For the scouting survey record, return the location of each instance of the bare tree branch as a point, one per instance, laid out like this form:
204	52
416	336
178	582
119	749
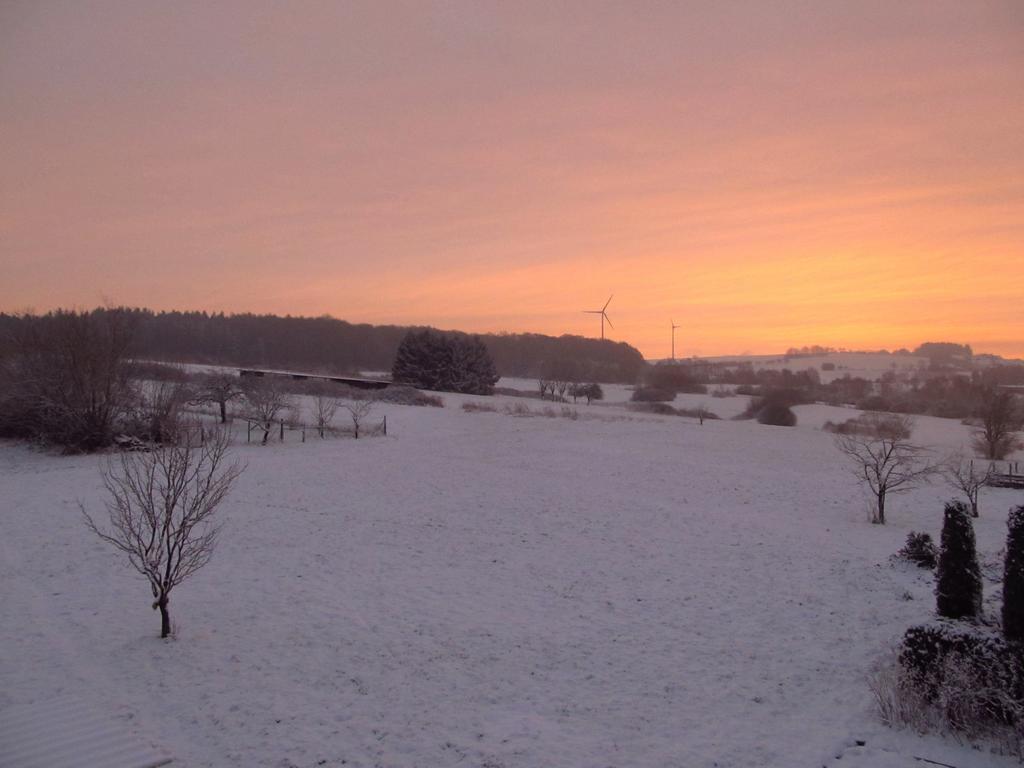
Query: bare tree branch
160	511
883	459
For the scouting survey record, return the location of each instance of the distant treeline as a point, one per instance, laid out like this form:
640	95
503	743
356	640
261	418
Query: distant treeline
330	345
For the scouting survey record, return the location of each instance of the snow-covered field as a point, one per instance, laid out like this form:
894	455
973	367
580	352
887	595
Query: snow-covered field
479	589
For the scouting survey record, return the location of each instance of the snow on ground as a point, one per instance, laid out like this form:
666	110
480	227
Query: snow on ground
484	590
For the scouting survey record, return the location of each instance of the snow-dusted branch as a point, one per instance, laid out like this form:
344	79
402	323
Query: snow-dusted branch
161	511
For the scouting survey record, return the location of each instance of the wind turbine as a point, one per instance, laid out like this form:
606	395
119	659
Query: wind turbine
674	326
603	314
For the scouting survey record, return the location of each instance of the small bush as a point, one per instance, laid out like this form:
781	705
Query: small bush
518	409
937	659
398	394
920	550
776	415
479	408
660	409
653	395
873	424
949	679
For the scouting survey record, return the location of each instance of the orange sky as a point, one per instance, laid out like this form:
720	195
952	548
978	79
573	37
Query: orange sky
766	174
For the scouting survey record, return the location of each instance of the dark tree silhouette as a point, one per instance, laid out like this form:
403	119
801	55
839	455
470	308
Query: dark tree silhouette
444	362
220	389
958	580
335	346
67	378
1013	577
996	438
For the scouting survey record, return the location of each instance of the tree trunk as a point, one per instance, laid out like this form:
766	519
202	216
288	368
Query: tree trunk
223	412
165	617
880	515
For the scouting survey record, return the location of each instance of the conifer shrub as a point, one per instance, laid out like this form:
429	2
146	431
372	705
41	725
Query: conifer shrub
920	549
1013	577
958	580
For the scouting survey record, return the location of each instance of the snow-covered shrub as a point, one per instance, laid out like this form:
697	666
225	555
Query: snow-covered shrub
518	409
399	394
773	407
1013	577
959	678
920	549
958	580
661	409
590	391
776	415
882	425
653	395
156	414
478	408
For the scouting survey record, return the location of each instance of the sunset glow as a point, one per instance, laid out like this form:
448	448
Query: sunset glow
843	174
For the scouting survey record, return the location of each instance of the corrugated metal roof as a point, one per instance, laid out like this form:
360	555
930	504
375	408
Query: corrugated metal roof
71	733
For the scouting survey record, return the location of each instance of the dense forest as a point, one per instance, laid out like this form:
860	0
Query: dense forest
335	346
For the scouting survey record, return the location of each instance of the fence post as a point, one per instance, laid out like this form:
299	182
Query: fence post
385	425
282	430
248	431
303	434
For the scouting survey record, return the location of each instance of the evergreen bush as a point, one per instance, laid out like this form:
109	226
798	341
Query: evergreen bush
958	581
1013	577
445	362
920	549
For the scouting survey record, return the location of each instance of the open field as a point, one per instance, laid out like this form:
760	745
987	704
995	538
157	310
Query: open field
478	589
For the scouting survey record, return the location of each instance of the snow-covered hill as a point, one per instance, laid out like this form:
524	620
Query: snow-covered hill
481	589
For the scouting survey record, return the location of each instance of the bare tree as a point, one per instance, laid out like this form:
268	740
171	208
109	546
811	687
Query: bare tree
220	389
265	400
324	410
68	377
157	413
967	477
884	459
161	511
359	410
996	438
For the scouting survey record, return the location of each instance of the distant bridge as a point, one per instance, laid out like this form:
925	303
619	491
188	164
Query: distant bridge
358	383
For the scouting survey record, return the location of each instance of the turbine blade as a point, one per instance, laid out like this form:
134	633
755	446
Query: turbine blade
608	302
608	319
